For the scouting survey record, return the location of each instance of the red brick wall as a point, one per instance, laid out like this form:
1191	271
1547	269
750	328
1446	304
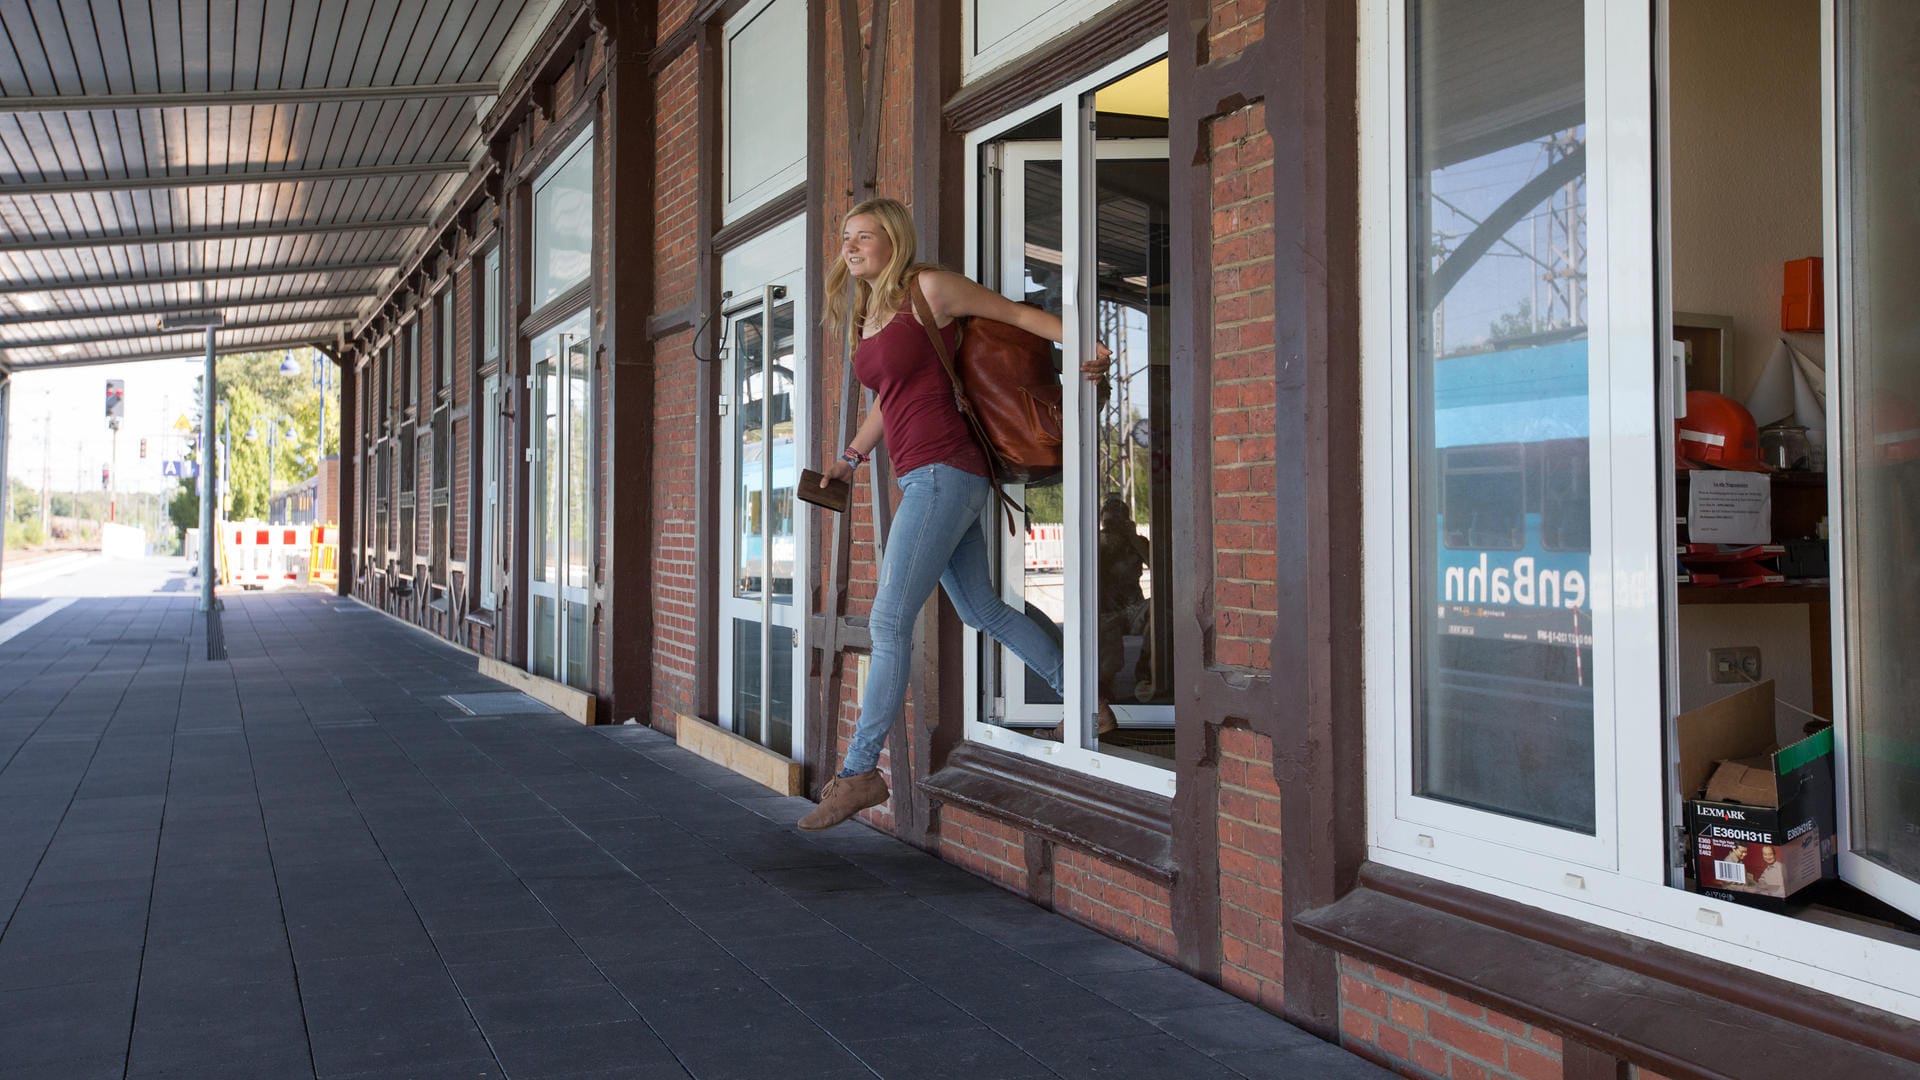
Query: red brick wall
1233	25
1116	902
1252	960
995	851
1419	1031
1245	595
675	649
673	14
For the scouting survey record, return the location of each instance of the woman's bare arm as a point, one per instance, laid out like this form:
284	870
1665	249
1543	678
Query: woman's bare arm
953	296
864	441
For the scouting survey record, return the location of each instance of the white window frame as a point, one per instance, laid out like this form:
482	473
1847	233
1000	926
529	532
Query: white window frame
787	176
1078	312
1618	881
489	487
1864	873
1048	23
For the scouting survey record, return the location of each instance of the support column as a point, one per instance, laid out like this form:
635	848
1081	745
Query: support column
627	246
347	490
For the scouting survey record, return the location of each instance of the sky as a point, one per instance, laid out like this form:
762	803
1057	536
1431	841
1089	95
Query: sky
158	393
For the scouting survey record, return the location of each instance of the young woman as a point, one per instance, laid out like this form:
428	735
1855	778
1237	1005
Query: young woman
942	473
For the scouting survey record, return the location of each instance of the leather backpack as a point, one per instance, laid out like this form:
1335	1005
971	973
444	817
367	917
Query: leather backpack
1006	385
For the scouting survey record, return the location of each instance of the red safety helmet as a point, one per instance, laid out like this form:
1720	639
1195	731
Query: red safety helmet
1893	437
1718	433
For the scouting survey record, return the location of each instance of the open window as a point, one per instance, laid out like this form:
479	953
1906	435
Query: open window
1079	224
1640	379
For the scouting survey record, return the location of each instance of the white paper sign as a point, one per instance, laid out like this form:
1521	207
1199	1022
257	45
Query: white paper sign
1729	507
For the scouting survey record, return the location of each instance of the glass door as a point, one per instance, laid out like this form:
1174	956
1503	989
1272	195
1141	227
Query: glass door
1119	497
560	530
762	546
1874	477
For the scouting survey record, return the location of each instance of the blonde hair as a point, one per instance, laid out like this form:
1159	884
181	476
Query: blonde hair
889	292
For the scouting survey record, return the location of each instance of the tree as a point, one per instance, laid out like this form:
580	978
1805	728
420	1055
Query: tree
293	402
24	499
1517	323
246	461
184	509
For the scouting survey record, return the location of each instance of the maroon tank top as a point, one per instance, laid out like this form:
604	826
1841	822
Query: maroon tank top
919	420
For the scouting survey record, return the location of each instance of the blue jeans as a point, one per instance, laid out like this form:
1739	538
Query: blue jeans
936	537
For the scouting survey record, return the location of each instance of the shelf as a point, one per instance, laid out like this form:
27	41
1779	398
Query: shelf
1780	478
1757	594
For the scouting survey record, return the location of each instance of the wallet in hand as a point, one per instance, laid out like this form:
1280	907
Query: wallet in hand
836	496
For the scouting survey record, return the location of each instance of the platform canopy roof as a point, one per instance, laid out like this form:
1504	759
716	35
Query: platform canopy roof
273	161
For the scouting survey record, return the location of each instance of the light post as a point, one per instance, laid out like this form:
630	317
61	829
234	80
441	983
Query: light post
226	454
274	429
207	321
323	381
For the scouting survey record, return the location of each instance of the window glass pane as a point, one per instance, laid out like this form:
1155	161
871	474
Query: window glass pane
780	649
994	21
747	697
488	495
442	450
767	103
780	435
1880	266
490	310
563	224
408	527
579	460
1503	700
1131	500
543	539
444	332
1043	583
749	433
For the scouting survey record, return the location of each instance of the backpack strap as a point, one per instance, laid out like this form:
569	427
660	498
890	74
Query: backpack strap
923	313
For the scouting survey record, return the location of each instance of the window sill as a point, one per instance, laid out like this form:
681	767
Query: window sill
1107	820
480	618
1638	1000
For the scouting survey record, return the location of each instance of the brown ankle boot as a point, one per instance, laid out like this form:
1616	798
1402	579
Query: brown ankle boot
845	796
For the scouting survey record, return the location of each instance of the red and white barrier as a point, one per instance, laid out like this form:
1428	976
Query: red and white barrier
256	556
1046	548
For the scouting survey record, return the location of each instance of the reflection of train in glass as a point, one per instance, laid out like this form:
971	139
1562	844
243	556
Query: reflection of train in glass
1510	428
750	541
1510	592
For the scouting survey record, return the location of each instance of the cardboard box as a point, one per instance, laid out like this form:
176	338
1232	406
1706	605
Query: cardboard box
1760	817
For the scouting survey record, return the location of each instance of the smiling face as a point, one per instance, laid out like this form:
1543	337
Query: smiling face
866	247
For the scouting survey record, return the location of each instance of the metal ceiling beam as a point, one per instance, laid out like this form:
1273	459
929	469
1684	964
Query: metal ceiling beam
16	188
188	352
187	236
185	309
268	324
73	285
305	95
